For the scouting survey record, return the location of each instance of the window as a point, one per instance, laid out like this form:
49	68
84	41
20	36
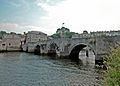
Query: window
3	44
9	44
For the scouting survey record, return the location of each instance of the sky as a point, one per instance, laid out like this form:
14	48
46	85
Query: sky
48	15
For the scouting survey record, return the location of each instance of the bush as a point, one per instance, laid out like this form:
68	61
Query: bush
112	75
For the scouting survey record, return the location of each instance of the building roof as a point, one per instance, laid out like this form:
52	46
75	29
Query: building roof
36	32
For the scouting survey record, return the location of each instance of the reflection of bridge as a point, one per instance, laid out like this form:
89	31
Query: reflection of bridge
63	47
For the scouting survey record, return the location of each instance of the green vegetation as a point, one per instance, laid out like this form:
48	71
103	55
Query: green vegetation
112	75
55	35
2	33
63	33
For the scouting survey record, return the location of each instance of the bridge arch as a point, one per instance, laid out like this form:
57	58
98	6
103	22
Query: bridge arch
75	50
37	50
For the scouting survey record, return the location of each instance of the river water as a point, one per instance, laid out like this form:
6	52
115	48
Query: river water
25	69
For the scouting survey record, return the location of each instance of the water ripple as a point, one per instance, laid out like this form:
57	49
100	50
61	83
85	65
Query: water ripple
23	69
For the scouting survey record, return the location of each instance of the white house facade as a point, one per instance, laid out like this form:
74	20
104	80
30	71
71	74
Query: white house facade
10	42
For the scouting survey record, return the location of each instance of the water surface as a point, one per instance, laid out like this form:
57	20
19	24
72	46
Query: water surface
24	69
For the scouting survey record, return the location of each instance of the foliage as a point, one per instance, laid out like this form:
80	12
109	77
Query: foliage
85	32
68	35
12	33
55	36
112	75
63	33
2	33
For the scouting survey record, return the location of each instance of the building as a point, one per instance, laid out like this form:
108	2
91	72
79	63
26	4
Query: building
106	33
10	42
32	37
35	36
85	34
96	34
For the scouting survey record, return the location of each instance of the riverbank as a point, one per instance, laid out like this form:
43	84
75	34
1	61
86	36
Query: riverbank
112	75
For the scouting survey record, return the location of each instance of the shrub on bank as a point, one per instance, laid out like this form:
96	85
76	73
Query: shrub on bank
112	74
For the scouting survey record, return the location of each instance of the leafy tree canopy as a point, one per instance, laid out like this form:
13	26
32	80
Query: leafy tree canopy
63	33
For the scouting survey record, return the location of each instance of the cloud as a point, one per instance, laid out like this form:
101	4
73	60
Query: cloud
12	27
23	4
42	1
79	15
15	4
50	2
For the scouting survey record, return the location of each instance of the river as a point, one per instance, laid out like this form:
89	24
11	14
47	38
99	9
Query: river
25	69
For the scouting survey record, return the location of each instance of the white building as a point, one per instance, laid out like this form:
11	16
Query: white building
35	36
82	35
2	45
31	37
10	42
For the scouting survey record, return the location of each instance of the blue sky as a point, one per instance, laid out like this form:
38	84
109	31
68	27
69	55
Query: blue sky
20	11
48	15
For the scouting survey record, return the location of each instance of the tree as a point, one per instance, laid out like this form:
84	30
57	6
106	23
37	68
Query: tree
63	32
85	32
55	36
2	33
12	33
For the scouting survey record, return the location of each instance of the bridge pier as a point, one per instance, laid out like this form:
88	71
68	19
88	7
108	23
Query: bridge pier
52	52
99	58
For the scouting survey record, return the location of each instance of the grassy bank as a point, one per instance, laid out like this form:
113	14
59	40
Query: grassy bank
112	75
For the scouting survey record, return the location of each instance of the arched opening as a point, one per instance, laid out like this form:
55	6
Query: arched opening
37	50
52	49
74	54
87	56
83	54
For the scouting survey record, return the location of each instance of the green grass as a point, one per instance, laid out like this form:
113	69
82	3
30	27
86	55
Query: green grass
112	75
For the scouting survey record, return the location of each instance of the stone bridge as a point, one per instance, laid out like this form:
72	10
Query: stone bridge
70	48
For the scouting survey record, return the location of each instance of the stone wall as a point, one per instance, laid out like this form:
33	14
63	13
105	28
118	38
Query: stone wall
101	45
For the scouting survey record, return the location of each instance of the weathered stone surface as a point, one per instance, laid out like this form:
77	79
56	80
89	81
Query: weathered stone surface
65	47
